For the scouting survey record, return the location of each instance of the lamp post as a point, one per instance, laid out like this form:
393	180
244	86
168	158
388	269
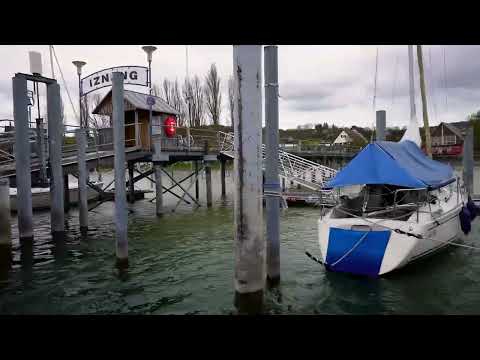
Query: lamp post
149	51
79	65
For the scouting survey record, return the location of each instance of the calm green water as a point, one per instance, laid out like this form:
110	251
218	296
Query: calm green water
183	264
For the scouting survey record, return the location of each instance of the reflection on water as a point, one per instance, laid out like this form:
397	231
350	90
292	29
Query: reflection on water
183	264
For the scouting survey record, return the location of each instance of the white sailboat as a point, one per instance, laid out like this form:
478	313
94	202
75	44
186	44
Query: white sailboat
409	206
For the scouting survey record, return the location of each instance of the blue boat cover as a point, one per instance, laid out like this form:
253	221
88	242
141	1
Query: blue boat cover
393	163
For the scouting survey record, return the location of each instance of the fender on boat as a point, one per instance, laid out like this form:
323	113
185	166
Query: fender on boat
465	220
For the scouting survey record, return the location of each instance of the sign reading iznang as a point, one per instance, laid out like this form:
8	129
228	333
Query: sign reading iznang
135	75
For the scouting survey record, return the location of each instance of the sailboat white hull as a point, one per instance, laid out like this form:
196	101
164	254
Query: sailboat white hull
383	249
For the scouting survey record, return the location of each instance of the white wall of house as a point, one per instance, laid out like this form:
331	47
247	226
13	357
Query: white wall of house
342	138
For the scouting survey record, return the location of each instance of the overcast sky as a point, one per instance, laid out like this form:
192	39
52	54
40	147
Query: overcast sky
333	84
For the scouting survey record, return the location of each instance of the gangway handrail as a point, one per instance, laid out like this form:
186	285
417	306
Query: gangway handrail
292	167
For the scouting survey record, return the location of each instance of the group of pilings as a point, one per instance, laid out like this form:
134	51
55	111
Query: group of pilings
257	260
160	161
59	193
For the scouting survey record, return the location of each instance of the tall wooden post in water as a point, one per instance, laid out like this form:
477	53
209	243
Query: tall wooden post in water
249	245
5	228
22	158
131	185
208	183
197	190
55	141
80	135
426	127
272	180
119	164
222	176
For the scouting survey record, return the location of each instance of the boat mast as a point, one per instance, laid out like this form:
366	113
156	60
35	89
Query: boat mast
428	145
413	112
51	61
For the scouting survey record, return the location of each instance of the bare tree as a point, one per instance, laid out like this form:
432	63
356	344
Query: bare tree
213	97
170	92
156	90
178	103
94	120
193	95
231	101
167	91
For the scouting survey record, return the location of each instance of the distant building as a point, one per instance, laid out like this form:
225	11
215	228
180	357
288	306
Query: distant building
447	138
342	138
349	136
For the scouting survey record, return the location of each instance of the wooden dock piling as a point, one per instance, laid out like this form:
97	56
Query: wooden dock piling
208	183
22	159
118	117
249	244
131	184
197	187
66	193
55	141
80	135
158	190
222	175
5	228
272	180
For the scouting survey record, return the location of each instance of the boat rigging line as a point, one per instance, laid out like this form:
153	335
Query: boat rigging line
374	93
431	84
395	79
64	82
445	78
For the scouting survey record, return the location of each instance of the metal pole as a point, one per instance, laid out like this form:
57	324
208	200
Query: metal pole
222	175
81	137
272	180
150	132
55	134
5	228
381	125
158	190
208	183
249	248
80	101
118	116
22	158
468	161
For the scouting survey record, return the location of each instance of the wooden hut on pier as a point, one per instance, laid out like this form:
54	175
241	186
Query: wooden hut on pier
137	116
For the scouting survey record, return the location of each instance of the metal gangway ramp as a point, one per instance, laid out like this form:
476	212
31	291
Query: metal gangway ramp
293	168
